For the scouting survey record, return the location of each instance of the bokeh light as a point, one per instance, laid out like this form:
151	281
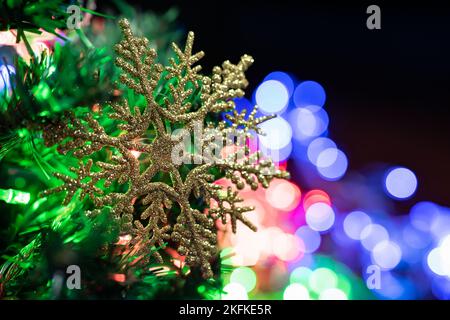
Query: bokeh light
438	259
296	291
423	214
244	276
277	133
415	238
390	287
277	155
317	146
283	195
315	196
311	238
308	122
284	78
441	225
387	254
322	279
309	93
292	255
354	223
272	96
400	183
287	247
332	164
320	216
333	294
373	234
234	291
300	275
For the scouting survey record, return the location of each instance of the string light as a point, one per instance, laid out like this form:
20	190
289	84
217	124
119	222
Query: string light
14	196
5	72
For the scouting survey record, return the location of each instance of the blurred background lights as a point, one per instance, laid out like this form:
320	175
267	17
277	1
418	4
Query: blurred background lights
283	195
296	260
309	93
332	164
308	122
5	81
445	244
315	196
440	227
436	261
345	285
387	254
272	96
243	103
333	294
354	223
373	234
311	238
322	279
401	183
244	276
300	275
441	288
234	291
247	248
320	216
317	146
321	119
296	291
390	287
277	155
304	122
287	247
226	255
415	238
267	237
277	133
284	78
423	214
327	157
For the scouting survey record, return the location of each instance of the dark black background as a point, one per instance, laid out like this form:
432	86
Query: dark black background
387	90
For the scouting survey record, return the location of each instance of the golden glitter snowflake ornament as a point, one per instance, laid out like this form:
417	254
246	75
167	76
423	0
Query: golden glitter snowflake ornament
172	180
